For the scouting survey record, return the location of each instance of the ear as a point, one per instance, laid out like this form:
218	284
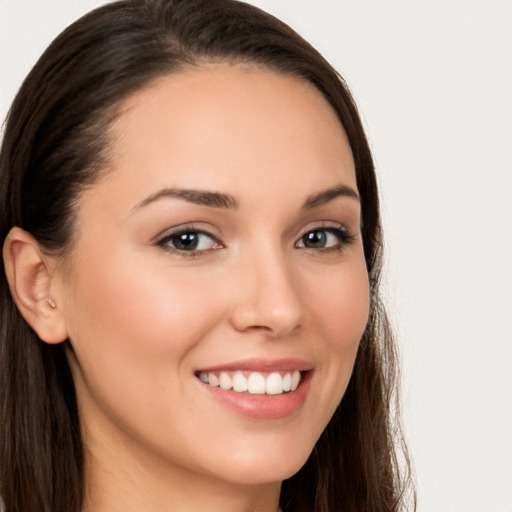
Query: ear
29	273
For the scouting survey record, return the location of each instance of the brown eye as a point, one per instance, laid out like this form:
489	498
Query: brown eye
325	238
189	240
316	239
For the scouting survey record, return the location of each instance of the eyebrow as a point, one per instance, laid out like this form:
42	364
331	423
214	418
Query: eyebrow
221	200
328	195
201	197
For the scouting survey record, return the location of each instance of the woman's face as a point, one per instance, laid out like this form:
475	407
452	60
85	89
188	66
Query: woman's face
223	245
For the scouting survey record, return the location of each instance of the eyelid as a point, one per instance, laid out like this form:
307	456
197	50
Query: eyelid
186	227
324	225
173	234
339	230
346	236
165	236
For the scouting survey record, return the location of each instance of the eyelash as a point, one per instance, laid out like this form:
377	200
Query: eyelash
186	230
344	237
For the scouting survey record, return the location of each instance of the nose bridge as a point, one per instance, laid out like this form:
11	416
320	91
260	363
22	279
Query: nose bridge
269	294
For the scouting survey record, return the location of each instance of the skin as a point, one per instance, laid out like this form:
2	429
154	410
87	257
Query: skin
142	318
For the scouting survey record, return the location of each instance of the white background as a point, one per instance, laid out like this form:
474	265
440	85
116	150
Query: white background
433	80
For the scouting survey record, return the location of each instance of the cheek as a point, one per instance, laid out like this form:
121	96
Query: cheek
341	305
149	308
132	331
340	308
132	360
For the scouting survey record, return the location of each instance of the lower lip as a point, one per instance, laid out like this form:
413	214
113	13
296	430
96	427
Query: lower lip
265	407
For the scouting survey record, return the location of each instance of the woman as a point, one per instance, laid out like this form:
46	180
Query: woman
190	308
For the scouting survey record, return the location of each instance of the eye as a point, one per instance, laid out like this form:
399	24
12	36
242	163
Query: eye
325	238
189	240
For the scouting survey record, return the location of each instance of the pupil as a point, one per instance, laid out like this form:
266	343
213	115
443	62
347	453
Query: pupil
186	241
315	239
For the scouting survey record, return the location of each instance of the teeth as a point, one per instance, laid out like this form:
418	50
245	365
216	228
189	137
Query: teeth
255	383
225	381
295	380
213	380
239	382
274	384
287	382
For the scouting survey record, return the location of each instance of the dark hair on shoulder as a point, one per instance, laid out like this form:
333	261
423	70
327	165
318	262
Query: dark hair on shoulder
56	143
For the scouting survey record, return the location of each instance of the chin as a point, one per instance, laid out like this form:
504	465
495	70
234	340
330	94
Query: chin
259	468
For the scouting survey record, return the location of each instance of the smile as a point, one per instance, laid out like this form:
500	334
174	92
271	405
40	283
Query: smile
262	389
254	383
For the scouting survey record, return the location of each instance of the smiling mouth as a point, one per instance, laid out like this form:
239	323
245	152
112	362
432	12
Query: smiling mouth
253	383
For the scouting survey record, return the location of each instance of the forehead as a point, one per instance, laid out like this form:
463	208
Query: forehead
224	126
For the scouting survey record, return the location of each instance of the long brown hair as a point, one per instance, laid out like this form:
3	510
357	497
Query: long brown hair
56	143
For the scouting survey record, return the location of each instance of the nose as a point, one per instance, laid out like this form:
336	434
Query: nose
267	296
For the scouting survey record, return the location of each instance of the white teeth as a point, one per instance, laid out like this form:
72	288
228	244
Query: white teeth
287	382
225	381
213	379
295	380
256	383
274	384
239	382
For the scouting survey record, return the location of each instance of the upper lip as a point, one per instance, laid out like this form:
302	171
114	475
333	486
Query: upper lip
262	365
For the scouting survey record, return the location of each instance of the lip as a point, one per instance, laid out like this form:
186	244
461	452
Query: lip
263	407
261	365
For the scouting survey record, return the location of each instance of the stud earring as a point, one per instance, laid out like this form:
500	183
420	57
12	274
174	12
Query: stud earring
52	303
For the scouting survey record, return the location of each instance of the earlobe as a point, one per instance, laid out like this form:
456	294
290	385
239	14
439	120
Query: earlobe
30	280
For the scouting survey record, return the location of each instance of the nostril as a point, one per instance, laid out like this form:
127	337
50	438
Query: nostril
276	322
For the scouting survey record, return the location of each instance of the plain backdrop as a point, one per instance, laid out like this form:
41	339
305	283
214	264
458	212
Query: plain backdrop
433	80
